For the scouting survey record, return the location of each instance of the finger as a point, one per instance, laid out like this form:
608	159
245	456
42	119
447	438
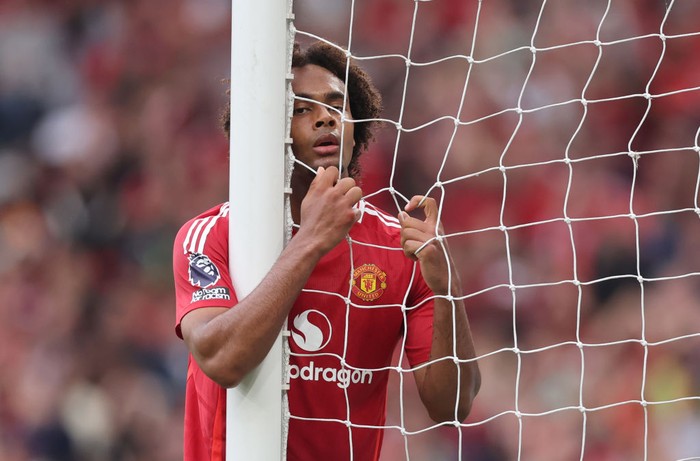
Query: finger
415	202
409	249
429	206
354	195
407	222
413	248
345	184
325	177
414	235
321	177
333	172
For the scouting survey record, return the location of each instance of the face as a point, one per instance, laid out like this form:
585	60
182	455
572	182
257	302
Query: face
316	129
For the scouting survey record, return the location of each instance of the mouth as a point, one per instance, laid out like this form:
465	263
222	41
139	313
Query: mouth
326	144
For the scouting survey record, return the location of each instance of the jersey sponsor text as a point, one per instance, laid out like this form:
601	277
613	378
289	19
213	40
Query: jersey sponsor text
342	377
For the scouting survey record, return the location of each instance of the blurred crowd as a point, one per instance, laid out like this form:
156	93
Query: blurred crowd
570	199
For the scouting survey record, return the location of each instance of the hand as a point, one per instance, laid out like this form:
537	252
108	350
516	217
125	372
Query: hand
433	258
327	211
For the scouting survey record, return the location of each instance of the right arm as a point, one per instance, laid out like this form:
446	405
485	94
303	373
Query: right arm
228	343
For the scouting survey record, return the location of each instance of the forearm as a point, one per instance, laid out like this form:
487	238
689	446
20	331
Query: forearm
229	345
448	386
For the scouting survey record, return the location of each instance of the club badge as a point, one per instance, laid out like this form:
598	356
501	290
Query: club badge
368	282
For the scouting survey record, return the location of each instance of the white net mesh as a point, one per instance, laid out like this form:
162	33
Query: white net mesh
560	139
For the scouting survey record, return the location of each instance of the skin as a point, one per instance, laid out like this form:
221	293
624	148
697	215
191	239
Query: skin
312	123
229	343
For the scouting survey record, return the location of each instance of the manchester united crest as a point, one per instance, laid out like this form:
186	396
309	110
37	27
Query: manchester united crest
368	282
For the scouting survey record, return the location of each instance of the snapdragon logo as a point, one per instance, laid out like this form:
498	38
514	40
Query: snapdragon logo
342	377
311	332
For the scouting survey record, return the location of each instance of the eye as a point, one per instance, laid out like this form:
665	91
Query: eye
300	110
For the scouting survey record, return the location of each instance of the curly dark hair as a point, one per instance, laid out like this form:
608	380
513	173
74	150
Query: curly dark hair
364	98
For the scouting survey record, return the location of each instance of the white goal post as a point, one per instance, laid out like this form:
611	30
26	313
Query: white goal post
259	69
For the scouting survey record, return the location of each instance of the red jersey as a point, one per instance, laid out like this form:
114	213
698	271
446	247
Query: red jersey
358	303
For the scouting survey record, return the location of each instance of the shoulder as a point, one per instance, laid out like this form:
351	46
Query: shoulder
210	225
378	221
378	217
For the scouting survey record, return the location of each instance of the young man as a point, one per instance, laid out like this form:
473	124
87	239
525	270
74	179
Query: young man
338	348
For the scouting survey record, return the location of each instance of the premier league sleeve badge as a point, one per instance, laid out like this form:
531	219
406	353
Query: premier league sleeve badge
202	271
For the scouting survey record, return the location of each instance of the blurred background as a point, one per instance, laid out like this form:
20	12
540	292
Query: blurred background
110	140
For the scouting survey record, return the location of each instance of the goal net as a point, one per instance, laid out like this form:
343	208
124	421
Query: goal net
560	139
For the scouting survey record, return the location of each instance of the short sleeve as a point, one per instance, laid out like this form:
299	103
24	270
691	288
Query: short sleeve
200	266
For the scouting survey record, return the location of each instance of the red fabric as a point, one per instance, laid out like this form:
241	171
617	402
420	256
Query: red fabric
321	323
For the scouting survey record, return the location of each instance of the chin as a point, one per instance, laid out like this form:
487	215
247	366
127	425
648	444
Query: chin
330	161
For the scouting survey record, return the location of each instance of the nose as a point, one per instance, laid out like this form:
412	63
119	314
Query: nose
326	116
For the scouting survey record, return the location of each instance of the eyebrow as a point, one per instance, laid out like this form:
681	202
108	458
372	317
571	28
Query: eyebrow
330	96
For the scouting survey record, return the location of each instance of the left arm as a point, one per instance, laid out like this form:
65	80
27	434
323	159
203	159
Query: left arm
444	386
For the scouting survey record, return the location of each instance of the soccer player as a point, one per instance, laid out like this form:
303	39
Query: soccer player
337	347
